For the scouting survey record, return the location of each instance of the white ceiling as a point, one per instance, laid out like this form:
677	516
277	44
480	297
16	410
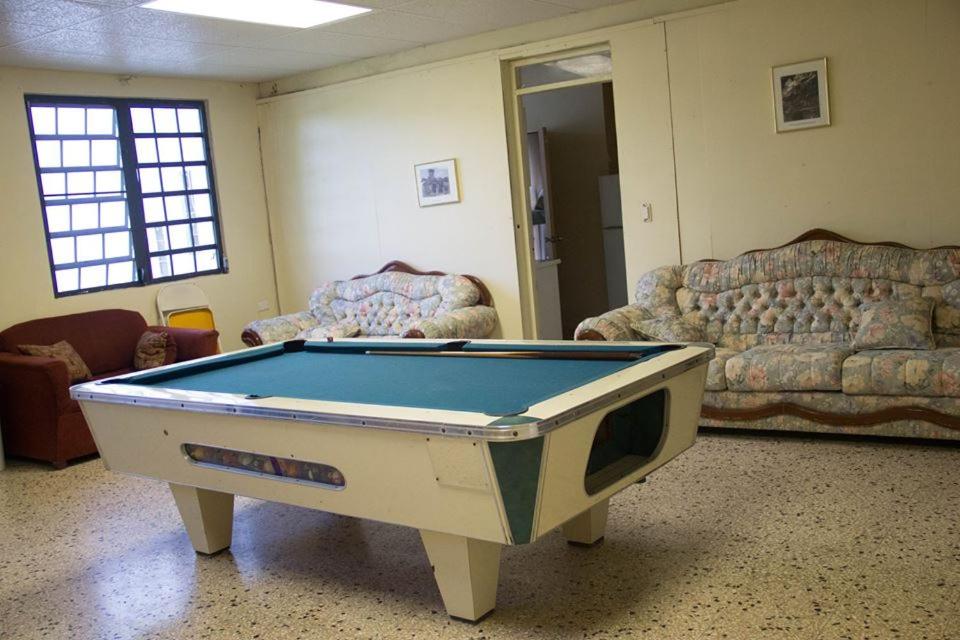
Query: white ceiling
118	36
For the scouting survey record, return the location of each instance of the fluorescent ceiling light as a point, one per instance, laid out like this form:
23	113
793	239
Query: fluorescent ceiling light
284	13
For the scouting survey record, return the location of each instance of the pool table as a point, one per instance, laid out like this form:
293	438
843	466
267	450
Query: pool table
477	444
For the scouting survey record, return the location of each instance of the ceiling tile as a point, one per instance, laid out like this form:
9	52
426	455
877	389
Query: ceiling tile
53	13
583	5
320	41
174	26
120	47
12	32
480	16
399	26
272	58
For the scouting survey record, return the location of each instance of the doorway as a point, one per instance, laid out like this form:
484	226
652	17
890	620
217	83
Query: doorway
569	224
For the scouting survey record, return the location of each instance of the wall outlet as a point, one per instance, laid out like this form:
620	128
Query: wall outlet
263	305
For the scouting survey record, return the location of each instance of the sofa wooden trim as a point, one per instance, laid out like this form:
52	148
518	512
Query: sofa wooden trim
252	339
891	414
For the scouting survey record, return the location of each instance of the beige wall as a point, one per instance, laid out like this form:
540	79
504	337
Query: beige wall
339	168
26	290
888	168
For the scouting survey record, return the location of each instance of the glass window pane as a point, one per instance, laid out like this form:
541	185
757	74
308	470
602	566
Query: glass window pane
58	218
180	236
192	149
93	277
196	177
172	179
54	184
62	250
84	216
150	180
71	121
169	149
177	208
207	260
113	214
153	209
89	247
585	66
146	150
105	153
203	233
157	239
44	120
109	182
80	183
183	263
76	153
189	120
160	267
142	120
48	153
120	273
200	205
67	280
100	122
117	244
165	120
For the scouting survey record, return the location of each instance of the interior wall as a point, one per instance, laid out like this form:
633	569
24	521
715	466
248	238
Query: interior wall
339	168
886	168
26	289
574	119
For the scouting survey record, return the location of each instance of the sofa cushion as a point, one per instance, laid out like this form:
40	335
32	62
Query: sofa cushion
344	329
896	324
788	367
667	330
77	369
903	372
716	370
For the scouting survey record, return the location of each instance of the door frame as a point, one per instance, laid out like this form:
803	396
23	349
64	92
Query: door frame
517	158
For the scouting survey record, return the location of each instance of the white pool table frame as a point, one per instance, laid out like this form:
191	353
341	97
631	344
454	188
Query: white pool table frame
428	469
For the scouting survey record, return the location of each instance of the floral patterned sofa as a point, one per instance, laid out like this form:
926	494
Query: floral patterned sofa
821	334
398	300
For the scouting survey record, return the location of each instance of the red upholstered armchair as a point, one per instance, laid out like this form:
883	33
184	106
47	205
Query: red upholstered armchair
38	418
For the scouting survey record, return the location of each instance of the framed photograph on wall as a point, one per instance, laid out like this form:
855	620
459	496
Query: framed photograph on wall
437	182
800	99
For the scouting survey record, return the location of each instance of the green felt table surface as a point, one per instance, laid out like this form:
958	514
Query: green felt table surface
345	372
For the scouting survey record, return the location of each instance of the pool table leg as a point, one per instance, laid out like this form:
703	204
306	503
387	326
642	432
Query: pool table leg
588	527
466	571
207	515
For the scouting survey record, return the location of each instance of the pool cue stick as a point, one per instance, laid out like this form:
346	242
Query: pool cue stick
529	355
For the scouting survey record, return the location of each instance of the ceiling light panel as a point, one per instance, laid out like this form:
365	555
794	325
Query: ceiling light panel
301	14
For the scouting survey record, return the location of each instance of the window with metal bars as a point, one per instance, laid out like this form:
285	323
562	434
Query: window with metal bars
126	191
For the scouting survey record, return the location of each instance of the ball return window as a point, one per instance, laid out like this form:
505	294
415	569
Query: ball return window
625	440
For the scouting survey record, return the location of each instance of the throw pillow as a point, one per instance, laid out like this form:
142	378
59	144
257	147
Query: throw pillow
668	330
896	324
154	349
77	369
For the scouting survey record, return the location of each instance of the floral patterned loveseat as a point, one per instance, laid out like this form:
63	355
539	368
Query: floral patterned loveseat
398	300
821	334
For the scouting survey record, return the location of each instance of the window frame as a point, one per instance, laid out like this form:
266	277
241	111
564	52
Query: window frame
130	172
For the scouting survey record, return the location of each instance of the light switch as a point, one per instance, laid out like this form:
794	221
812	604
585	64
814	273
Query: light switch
646	213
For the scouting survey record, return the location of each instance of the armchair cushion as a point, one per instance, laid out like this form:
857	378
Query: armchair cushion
788	367
467	322
668	330
77	369
896	324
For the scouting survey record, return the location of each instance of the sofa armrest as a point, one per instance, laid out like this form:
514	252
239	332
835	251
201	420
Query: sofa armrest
33	389
613	325
466	322
193	343
277	329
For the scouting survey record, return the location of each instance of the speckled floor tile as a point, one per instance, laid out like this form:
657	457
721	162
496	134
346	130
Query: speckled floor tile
742	537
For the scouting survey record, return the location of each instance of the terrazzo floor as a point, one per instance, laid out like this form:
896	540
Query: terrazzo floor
741	537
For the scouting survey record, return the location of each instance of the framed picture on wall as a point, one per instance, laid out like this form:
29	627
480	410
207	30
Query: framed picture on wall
437	182
800	99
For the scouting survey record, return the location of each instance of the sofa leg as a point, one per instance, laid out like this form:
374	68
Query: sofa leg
59	464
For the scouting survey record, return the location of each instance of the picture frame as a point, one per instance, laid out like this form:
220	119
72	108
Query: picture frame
437	182
800	95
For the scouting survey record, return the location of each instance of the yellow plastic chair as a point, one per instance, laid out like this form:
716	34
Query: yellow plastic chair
184	305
